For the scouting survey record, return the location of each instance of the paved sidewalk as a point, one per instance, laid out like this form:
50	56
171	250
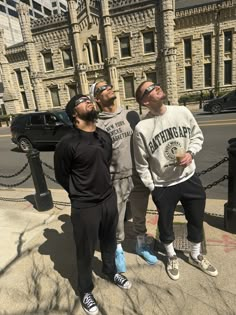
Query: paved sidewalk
38	269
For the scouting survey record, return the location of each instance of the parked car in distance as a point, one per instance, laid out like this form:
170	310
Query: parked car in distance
33	129
224	102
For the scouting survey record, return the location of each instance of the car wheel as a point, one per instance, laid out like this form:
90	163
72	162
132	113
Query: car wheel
216	109
24	144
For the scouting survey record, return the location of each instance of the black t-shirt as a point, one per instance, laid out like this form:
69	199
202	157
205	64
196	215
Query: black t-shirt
82	161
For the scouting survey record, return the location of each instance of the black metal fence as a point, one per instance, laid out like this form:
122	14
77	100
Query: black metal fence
37	169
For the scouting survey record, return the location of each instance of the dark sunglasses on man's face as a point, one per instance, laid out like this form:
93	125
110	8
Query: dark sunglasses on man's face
102	88
149	90
81	100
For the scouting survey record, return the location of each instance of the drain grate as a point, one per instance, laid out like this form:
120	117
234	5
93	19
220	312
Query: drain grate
180	243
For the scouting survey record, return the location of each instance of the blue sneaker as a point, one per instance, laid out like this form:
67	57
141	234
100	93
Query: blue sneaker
120	261
146	254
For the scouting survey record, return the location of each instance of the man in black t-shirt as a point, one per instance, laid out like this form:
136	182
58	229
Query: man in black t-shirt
82	160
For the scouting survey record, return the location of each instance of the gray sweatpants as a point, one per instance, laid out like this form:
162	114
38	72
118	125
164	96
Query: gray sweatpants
123	188
132	189
139	203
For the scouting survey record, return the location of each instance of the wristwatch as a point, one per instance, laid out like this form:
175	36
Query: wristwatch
192	154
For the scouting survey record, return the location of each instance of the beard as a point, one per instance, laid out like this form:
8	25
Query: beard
89	116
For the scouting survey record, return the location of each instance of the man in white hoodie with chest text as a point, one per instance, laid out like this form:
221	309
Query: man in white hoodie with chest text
119	123
165	144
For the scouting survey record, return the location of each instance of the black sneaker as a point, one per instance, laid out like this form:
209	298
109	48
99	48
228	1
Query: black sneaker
89	304
122	282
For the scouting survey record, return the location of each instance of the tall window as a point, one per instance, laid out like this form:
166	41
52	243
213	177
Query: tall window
67	58
19	77
125	47
47	56
148	42
37	6
207	45
24	100
187	48
95	50
228	72
55	96
188	78
228	41
151	76
207	74
129	86
72	90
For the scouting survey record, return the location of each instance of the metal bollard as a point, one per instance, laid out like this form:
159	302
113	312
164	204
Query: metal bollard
43	197
230	206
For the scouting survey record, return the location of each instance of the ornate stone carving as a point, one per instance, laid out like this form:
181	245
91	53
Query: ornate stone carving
81	67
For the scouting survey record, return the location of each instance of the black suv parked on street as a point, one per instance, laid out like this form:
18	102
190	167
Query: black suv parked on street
35	129
225	102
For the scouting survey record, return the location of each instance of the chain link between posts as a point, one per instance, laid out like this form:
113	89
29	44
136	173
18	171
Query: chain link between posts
209	186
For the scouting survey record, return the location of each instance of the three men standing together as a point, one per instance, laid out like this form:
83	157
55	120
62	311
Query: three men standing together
99	153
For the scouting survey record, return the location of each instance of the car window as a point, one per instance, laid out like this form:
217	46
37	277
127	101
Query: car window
37	119
51	119
63	117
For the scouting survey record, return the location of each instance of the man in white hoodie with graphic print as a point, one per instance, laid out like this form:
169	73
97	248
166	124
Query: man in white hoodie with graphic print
165	144
119	123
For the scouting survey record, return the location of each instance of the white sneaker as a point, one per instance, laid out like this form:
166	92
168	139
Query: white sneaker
202	263
173	267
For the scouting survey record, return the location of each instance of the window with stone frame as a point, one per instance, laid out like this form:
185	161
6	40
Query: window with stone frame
207	42
125	50
48	62
94	46
72	89
67	58
151	76
54	91
188	78
187	48
37	6
227	72
129	86
207	75
148	42
19	77
24	100
228	41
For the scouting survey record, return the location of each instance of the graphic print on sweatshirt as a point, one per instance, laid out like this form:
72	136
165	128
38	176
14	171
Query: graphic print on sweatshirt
118	131
168	134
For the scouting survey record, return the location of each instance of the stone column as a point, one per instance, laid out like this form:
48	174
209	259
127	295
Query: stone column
35	75
81	66
169	51
111	59
10	96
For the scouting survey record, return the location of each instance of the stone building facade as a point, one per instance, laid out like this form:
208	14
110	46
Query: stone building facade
187	49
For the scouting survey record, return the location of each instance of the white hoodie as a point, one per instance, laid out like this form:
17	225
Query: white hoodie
155	140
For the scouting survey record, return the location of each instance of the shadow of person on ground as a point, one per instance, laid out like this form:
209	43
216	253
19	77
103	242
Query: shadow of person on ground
61	249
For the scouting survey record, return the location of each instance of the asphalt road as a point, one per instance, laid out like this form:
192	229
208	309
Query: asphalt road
217	130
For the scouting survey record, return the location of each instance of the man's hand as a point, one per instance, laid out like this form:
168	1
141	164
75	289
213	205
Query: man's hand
186	160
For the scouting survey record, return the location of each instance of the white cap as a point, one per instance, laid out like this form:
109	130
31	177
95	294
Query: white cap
92	90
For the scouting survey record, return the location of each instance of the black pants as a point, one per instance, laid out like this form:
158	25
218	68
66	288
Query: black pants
192	196
89	225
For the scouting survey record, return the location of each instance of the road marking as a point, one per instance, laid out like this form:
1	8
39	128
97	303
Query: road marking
210	121
2	136
217	124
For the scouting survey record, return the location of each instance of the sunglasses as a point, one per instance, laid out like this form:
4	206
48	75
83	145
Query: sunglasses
149	90
103	88
81	100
